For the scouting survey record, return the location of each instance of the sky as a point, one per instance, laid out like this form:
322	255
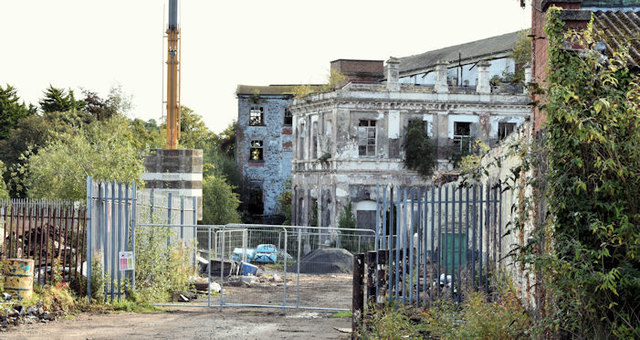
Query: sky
99	44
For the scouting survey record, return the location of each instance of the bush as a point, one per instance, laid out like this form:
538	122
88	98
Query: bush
160	270
474	318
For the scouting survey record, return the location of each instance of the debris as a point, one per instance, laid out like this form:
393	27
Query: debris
324	261
343	330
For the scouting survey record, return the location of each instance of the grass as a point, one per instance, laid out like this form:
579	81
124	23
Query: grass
342	314
475	318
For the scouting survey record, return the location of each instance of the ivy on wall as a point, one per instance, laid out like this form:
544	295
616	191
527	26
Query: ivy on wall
418	149
592	143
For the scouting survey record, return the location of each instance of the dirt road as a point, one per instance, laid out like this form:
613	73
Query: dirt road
191	323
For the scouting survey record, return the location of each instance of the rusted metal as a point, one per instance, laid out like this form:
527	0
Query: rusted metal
45	231
358	293
371	266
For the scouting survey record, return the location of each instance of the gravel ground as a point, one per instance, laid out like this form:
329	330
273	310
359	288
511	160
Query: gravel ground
191	323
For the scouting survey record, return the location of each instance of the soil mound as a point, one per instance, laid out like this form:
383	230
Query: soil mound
325	261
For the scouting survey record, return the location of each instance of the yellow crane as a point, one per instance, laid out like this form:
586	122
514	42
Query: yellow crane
173	77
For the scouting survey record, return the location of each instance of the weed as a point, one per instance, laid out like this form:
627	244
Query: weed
342	314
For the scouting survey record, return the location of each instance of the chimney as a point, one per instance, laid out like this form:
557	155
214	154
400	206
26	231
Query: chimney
483	85
392	71
441	77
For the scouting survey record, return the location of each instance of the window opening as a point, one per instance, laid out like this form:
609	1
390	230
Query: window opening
505	129
256	116
462	137
256	151
367	138
288	117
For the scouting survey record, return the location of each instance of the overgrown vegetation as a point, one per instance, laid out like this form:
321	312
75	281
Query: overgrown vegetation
347	218
222	202
521	55
4	193
475	318
334	81
419	153
284	204
587	254
160	270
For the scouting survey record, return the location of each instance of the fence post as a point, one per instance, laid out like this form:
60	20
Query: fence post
195	230
371	268
134	197
88	240
357	307
382	274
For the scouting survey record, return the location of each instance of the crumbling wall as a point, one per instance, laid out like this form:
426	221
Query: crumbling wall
273	172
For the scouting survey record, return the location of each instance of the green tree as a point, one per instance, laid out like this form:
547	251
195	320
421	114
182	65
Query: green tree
116	103
220	202
11	110
4	193
418	149
194	134
59	100
101	150
145	135
28	136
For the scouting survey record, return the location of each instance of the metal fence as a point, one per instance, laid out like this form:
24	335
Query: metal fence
114	210
436	241
52	233
289	277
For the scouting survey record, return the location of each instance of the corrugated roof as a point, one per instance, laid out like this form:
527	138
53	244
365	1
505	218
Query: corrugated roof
490	48
271	89
610	3
619	28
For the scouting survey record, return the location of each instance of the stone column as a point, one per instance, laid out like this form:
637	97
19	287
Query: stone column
527	78
392	72
483	77
441	77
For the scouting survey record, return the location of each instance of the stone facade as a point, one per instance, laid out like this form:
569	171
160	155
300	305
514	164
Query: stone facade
348	141
263	145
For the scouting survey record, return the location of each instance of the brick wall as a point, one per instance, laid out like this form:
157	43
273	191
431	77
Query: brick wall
540	45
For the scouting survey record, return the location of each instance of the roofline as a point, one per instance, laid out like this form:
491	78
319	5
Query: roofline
371	60
464	61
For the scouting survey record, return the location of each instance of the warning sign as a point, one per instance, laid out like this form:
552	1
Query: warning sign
126	260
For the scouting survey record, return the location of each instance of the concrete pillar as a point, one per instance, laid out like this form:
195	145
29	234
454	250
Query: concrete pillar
178	172
527	77
483	77
392	72
441	77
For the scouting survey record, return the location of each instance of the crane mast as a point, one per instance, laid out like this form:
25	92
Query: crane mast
173	77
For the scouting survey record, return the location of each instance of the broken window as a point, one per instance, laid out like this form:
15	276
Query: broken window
505	129
288	117
256	116
462	137
256	151
367	138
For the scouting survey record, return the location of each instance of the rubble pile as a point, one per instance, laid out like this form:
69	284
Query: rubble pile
325	261
13	313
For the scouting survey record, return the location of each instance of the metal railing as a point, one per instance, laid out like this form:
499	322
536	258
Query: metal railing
52	233
440	240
